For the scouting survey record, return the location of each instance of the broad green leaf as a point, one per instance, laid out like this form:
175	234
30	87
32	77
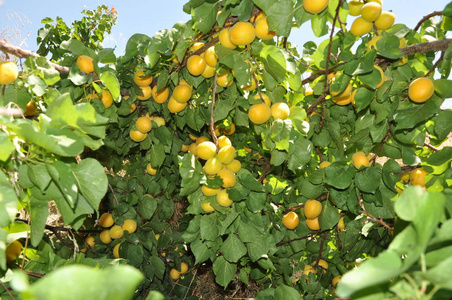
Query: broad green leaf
407	204
133	253
429	214
374	271
39	211
109	78
39	176
209	227
442	87
8	201
329	216
318	24
206	14
411	117
250	182
438	162
224	271
63	177
388	47
440	274
284	292
299	153
256	201
80	116
113	283
6	146
136	44
62	142
443	124
91	180
233	249
279	16
201	251
369	180
339	175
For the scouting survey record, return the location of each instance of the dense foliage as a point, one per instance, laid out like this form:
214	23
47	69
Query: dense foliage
218	145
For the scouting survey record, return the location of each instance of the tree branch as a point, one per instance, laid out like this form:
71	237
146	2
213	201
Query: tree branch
439	45
19	52
7	290
427	17
212	115
372	218
298	239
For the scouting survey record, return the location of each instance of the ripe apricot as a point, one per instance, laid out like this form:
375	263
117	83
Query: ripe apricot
223	198
105	236
421	89
89	241
8	72
224	79
360	159
143	124
30	109
13	250
290	220
224	141
360	27
137	136
182	93
280	110
196	65
228	177
206	207
313	224
371	11
242	33
116	251
208	191
129	225
174	274
312	209
183	267
225	40
259	113
145	93
206	150
262	31
355	7
324	164
315	6
150	169
211	57
106	220
234	166
341	224
385	20
140	79
160	97
106	98
116	232
417	176
85	64
175	107
212	166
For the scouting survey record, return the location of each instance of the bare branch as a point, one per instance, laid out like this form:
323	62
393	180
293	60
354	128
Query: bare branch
427	17
439	45
19	52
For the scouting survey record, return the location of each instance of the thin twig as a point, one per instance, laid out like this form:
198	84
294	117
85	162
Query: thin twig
388	134
7	290
426	18
431	147
436	64
114	194
298	239
212	109
372	218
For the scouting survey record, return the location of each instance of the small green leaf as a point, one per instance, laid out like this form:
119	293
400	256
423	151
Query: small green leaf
109	78
224	271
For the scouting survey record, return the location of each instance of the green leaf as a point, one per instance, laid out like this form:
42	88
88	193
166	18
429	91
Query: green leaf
299	153
81	116
133	253
280	134
429	214
248	181
206	14
39	211
109	78
233	249
136	44
440	274
329	216
443	124
87	283
157	155
224	271
91	180
407	204
442	87
439	161
369	180
62	142
6	146
284	292
201	251
209	227
39	176
8	201
410	117
388	47
339	175
256	201
373	271
147	206
63	177
279	16
318	24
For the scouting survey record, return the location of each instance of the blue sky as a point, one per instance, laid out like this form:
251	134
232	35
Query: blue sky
148	17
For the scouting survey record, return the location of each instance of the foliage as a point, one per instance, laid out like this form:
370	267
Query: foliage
391	210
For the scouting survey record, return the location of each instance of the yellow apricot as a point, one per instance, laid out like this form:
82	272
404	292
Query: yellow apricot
242	33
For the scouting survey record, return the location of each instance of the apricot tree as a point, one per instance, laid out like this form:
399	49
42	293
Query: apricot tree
218	144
